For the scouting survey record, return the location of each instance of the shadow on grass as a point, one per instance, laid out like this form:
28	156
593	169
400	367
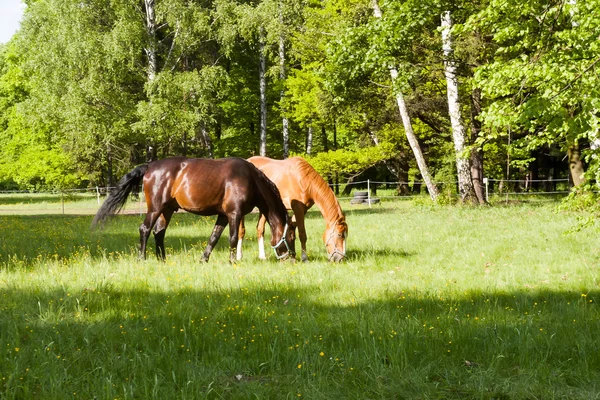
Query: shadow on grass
249	341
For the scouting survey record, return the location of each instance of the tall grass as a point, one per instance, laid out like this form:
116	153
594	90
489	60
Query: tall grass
432	302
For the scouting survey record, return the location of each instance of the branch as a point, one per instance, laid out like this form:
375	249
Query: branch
380	84
568	85
172	44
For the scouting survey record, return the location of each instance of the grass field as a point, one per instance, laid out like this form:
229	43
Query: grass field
432	303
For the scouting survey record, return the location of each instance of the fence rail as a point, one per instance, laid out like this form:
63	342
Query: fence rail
88	200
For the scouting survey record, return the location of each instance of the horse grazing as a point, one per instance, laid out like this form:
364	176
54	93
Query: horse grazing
301	187
228	188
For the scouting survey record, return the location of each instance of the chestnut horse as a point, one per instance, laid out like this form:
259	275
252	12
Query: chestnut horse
301	187
228	188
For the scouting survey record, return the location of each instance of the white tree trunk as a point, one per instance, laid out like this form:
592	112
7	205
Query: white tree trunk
151	46
282	76
410	134
463	168
207	140
309	139
263	94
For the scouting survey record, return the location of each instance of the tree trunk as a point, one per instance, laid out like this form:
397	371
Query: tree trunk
324	138
463	169
337	178
150	50
263	94
109	167
410	134
576	166
403	167
151	46
282	76
414	143
309	139
206	140
334	135
477	153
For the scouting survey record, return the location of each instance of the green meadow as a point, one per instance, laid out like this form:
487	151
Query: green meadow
433	302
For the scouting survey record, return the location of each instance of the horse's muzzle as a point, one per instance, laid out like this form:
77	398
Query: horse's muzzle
336	256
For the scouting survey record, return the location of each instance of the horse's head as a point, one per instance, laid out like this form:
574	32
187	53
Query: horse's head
335	239
286	246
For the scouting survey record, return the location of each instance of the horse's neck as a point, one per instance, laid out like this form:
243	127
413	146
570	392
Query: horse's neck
328	205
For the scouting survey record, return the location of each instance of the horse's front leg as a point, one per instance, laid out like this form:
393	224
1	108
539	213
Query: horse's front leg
260	234
145	229
299	213
214	237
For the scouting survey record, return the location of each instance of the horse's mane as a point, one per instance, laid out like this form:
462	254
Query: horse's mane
318	189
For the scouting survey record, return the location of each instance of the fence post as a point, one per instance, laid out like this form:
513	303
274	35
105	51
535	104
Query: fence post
369	192
487	193
62	201
98	195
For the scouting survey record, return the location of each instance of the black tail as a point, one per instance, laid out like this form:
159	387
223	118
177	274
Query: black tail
118	196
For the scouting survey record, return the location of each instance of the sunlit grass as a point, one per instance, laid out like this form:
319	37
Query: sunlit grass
433	302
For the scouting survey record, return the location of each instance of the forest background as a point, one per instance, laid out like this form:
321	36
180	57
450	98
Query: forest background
426	91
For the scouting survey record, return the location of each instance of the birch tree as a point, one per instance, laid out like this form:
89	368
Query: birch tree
465	183
262	70
150	48
309	139
282	76
410	135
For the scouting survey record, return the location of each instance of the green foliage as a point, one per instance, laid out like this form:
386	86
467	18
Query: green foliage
540	84
349	163
76	92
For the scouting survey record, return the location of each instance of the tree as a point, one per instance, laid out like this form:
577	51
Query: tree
414	144
540	84
465	183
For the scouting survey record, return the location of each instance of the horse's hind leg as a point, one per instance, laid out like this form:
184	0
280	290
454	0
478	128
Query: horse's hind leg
241	235
159	233
145	229
260	234
214	237
234	227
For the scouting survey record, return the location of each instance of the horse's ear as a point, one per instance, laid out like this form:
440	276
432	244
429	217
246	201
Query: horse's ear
341	225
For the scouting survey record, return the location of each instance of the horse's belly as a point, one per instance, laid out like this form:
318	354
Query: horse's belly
202	209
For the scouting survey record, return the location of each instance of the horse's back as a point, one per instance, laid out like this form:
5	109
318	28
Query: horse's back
198	185
291	176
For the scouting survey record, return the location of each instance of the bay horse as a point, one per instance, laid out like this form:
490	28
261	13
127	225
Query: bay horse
227	187
301	187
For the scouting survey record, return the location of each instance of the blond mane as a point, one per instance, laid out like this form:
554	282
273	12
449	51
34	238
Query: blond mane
320	192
